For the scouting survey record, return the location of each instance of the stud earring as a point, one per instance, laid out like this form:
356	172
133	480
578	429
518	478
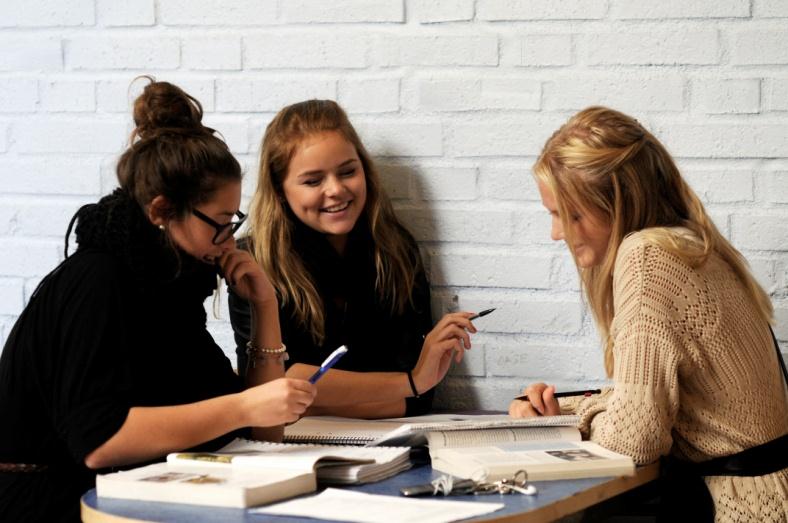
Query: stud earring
161	227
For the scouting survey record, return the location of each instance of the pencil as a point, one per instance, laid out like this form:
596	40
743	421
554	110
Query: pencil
566	394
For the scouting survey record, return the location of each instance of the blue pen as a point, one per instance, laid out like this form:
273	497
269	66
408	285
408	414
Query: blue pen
328	363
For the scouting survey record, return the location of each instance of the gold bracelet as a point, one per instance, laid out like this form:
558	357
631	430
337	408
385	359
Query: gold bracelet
262	353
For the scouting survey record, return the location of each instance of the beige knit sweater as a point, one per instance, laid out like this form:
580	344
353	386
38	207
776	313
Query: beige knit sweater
695	374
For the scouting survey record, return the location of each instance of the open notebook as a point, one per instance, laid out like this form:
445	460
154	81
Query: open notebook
413	431
247	473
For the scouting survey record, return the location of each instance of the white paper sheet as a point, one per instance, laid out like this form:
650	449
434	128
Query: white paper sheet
348	505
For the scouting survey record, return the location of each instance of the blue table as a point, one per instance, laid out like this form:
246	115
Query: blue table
554	500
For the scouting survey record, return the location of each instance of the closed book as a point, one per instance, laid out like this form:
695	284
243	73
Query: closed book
215	486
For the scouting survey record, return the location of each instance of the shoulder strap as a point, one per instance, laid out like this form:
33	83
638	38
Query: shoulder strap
779	354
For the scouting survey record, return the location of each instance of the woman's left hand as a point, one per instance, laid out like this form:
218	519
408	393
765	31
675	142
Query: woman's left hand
245	276
541	402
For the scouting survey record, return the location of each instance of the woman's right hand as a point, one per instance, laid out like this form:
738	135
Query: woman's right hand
541	402
450	337
277	402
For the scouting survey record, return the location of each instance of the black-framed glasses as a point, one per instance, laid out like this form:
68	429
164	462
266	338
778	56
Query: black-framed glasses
223	230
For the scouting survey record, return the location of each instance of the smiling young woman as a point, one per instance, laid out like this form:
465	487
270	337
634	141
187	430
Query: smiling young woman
345	270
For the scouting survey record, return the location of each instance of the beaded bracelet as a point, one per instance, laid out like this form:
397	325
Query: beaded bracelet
261	353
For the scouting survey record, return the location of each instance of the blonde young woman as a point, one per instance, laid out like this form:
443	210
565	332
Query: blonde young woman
345	270
684	323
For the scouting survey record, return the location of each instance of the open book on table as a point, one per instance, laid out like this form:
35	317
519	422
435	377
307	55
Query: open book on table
247	473
413	431
543	453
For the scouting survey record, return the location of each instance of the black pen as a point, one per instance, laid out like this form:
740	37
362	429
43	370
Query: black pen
567	394
480	314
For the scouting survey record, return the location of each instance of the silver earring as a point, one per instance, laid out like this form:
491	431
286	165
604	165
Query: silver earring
161	226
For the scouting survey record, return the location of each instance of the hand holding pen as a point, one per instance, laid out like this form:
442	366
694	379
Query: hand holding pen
542	400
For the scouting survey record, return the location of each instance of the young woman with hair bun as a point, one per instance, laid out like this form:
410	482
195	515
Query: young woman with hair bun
345	270
110	364
698	377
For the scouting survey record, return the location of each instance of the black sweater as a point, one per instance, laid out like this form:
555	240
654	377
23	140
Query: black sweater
377	339
118	324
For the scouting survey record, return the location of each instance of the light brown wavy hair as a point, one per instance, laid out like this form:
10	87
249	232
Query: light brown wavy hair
271	226
604	163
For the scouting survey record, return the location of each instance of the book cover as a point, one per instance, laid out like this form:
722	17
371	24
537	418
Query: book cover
214	486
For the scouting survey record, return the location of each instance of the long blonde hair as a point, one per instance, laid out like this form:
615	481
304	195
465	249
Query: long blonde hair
271	227
604	163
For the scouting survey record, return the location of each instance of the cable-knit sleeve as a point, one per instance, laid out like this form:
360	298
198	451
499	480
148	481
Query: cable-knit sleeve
636	417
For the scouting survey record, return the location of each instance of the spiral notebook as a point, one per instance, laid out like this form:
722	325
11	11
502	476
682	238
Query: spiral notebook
413	431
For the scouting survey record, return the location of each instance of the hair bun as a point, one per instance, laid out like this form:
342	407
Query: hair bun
164	106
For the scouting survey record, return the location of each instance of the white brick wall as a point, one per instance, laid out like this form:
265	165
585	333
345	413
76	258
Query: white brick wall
455	98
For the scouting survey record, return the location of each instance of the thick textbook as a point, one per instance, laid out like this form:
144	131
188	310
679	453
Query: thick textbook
541	459
413	431
205	485
248	473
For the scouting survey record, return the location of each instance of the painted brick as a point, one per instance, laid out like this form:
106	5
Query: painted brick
533	227
469	94
540	362
625	93
435	11
46	13
35	217
438	50
490	269
3	137
401	137
446	183
270	94
775	186
37	135
771	8
781	325
233	130
540	10
765	271
369	95
727	96
337	11
227	12
655	47
212	52
776	94
117	96
18	95
30	53
759	47
502	137
122	52
760	231
546	50
396	180
721	186
50	175
305	50
12	291
118	13
508	183
666	9
441	225
529	313
25	258
67	95
713	140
